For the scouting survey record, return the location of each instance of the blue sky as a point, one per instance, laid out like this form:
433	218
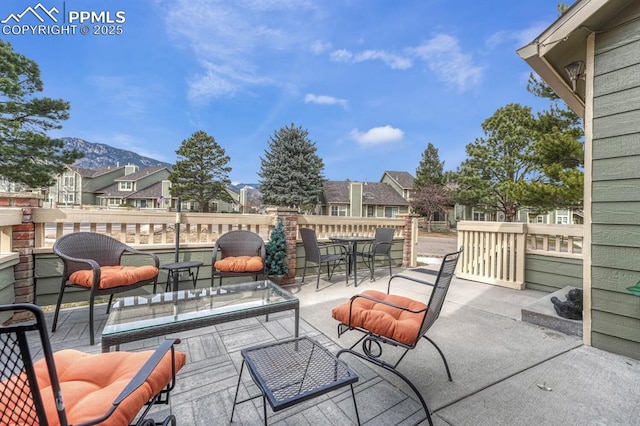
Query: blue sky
372	81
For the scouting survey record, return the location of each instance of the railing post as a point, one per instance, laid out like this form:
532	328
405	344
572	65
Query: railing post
23	242
289	218
410	234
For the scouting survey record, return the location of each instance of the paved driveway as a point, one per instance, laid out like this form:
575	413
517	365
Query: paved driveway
436	246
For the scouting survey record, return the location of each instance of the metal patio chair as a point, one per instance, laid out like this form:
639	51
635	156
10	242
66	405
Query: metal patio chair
322	254
238	253
93	262
396	320
380	247
73	387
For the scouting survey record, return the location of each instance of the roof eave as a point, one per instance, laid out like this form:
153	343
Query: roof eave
548	73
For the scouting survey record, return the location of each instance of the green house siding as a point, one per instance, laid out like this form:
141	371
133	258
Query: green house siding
546	273
615	195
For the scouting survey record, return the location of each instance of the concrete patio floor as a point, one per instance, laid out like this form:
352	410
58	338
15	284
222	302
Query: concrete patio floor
505	371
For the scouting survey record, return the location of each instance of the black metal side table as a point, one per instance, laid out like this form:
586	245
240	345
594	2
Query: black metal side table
176	268
291	371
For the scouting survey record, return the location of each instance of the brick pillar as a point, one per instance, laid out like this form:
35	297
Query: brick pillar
289	218
23	242
408	246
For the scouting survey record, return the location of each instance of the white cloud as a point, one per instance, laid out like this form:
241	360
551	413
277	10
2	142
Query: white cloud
310	98
341	55
377	135
445	58
518	38
393	61
442	54
319	47
227	37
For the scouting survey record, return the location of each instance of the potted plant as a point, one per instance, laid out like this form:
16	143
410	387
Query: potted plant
276	261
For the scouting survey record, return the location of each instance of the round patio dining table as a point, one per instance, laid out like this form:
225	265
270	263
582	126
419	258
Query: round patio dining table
352	241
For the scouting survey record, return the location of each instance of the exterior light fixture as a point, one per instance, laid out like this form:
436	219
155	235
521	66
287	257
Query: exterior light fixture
575	71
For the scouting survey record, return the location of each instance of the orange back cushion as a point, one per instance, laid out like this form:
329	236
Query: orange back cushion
240	264
115	276
382	319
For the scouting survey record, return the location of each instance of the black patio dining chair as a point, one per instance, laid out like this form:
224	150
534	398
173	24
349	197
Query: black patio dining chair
73	387
238	253
380	247
395	320
93	262
330	254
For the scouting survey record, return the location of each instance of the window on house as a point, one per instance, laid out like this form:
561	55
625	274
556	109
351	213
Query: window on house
69	198
68	181
126	186
562	220
371	211
540	219
390	211
479	216
339	210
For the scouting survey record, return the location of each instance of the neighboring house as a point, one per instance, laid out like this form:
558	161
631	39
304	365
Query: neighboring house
77	186
402	182
525	215
361	199
598	41
226	207
146	188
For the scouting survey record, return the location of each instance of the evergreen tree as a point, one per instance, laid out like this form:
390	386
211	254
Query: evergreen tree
430	169
498	165
27	154
291	171
201	173
560	155
276	260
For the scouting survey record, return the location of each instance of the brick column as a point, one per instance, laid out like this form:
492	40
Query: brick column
408	246
23	242
289	218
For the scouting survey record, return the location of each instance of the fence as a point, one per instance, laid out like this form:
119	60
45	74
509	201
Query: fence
496	252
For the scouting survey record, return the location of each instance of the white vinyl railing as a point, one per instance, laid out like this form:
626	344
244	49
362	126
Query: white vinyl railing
495	252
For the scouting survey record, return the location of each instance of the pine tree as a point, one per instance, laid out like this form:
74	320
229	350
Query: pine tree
291	171
27	154
430	169
201	173
276	261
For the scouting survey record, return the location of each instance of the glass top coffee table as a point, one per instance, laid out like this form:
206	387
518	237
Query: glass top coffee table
136	318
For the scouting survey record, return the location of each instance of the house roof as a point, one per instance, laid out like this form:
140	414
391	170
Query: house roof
375	193
132	177
151	191
404	179
565	41
91	173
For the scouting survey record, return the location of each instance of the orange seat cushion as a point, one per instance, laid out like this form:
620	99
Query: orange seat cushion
115	276
240	264
382	319
91	382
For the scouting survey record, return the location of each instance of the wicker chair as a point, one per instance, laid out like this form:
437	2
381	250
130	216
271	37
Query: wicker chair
109	388
327	253
92	262
396	320
380	247
231	248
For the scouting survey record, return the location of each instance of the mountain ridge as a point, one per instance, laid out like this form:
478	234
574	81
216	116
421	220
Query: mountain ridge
97	155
